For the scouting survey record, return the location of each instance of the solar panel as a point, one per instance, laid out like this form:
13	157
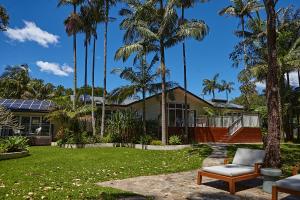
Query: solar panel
20	104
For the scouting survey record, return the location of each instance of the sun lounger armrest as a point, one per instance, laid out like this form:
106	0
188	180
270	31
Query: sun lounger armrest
226	161
295	170
257	167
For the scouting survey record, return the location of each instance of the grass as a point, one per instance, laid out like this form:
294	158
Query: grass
56	173
290	155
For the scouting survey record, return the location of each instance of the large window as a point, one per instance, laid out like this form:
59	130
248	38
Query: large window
176	115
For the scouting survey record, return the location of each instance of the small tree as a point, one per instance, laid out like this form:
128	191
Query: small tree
7	119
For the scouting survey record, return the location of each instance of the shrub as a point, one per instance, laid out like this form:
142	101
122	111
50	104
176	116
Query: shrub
107	139
174	140
156	142
124	126
14	144
145	139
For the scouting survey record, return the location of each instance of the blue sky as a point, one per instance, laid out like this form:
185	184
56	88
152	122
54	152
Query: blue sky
49	53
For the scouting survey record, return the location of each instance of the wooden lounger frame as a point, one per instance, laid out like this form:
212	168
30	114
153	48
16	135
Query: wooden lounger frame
230	179
276	189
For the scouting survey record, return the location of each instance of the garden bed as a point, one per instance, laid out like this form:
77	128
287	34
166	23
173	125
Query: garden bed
13	155
136	146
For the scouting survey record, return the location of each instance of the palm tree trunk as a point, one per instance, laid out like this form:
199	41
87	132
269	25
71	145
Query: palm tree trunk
272	158
185	84
93	86
298	77
75	65
104	69
144	111
227	95
85	70
213	93
163	88
144	93
288	79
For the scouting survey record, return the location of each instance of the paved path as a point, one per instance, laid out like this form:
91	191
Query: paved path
183	185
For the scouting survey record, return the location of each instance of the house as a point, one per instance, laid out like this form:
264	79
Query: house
31	116
227	122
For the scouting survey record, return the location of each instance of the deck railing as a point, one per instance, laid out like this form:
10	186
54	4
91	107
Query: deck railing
246	120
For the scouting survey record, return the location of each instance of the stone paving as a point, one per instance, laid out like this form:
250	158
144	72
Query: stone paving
183	185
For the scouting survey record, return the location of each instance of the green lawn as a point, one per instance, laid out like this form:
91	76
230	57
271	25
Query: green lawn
290	155
56	173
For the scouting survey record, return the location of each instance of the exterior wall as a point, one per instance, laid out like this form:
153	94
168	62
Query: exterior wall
35	139
212	134
153	105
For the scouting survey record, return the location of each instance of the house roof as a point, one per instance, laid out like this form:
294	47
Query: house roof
170	90
220	103
27	105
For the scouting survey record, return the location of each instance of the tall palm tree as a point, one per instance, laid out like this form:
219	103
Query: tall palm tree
210	85
4	18
158	26
88	29
272	146
227	87
72	28
96	8
143	80
185	4
242	9
107	5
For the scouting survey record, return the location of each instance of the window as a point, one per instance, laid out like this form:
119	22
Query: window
35	125
176	115
25	122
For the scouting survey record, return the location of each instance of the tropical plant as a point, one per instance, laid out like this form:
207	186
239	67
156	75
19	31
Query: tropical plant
227	87
73	24
14	144
124	126
175	140
210	85
143	80
4	18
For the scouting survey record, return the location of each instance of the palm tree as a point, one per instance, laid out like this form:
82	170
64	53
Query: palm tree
157	25
142	79
209	86
72	28
97	17
37	89
272	146
184	4
88	29
14	81
227	87
242	9
4	18
107	5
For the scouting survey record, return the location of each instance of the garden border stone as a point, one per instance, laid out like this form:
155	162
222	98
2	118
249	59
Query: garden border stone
13	155
136	146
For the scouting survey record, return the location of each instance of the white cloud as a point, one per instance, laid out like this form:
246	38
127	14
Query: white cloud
55	68
31	32
260	85
294	78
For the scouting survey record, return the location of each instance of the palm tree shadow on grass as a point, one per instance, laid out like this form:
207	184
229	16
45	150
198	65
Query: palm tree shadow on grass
123	196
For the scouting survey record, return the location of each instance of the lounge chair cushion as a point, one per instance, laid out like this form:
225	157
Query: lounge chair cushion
248	157
229	170
292	183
